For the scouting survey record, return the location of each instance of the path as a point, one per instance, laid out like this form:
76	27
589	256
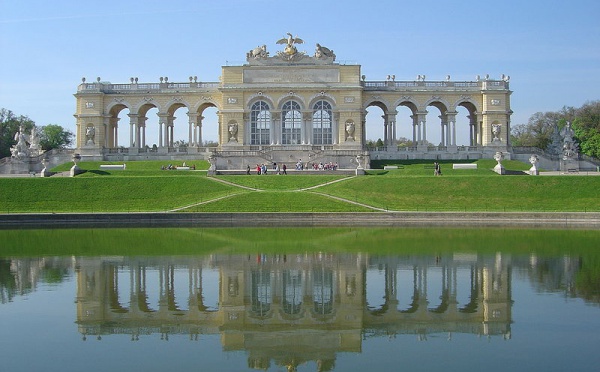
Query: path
306	189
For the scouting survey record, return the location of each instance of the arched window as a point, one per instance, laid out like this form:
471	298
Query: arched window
322	123
293	292
291	123
260	124
260	296
323	291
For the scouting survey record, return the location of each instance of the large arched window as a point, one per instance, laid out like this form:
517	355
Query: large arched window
322	123
291	123
260	123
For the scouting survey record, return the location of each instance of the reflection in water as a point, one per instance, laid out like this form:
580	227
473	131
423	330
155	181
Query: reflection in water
290	309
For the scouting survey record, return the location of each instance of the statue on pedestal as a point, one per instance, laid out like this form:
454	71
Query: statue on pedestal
499	168
533	170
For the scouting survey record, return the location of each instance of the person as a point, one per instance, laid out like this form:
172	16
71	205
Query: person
436	169
258	169
248	169
284	169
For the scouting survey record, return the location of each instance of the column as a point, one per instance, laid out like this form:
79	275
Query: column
275	128
415	126
422	123
443	125
385	129
199	139
133	119
474	140
451	117
306	130
390	127
193	119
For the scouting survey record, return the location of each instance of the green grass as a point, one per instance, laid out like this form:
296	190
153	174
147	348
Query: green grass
270	201
282	183
507	193
144	187
136	168
106	194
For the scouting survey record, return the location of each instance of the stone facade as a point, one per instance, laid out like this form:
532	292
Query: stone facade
287	107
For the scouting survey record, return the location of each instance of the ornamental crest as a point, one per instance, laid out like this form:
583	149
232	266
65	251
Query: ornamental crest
290	52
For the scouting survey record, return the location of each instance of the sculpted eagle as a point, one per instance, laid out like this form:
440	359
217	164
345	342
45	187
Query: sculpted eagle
290	40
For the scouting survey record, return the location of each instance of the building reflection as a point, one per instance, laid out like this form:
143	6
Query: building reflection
291	309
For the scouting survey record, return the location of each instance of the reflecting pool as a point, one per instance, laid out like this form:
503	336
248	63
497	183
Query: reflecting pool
306	300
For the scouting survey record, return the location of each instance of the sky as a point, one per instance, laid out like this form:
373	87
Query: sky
550	49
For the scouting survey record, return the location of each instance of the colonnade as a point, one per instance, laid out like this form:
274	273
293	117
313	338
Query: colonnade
166	125
419	129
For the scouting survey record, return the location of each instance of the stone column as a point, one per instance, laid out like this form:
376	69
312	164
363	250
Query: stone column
422	127
474	140
451	128
415	125
390	128
443	129
193	120
275	131
199	139
306	132
133	120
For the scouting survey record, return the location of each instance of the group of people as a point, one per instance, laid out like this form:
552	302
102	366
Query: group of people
324	166
316	166
262	169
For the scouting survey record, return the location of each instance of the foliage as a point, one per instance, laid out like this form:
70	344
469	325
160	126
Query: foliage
9	126
538	131
587	128
53	136
180	143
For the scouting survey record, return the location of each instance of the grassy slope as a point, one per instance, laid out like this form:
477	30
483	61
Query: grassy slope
144	187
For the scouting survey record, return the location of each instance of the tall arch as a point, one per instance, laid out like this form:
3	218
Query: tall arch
291	123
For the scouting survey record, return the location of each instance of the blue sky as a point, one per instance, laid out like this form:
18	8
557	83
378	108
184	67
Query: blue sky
550	49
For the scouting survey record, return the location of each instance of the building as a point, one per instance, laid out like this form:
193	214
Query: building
290	106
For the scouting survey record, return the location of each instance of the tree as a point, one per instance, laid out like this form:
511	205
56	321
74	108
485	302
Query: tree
538	131
9	126
53	136
587	128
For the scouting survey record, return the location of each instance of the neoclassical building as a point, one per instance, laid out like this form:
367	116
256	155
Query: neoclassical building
290	105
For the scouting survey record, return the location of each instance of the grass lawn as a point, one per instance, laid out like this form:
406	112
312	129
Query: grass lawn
143	186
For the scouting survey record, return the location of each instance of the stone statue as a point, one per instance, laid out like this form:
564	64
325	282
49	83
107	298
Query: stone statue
90	135
359	160
533	170
570	148
34	142
322	52
20	150
233	130
350	131
212	159
496	132
260	52
499	168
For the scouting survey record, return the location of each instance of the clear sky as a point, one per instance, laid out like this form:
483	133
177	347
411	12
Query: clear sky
550	49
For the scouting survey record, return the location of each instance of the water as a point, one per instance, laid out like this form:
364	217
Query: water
256	307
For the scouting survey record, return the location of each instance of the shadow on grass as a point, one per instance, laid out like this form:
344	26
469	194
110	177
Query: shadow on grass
516	173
